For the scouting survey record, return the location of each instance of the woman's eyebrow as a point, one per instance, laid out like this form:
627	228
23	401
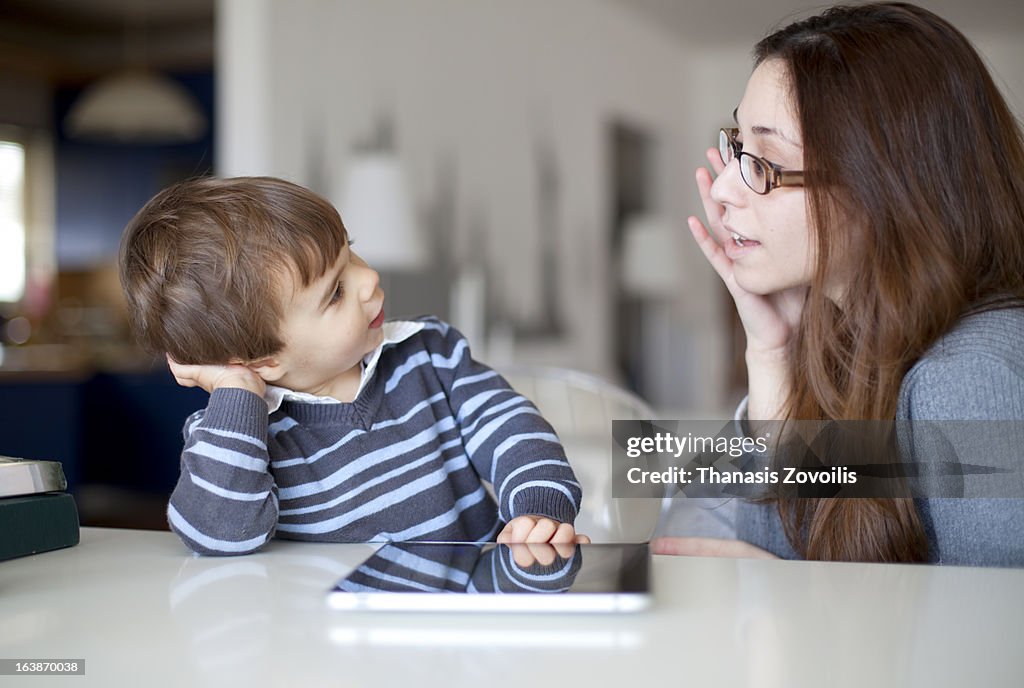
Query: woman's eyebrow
760	130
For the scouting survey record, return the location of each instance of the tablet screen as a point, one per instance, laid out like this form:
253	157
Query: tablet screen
422	576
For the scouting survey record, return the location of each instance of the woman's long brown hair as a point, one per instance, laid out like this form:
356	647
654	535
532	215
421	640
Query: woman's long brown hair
915	187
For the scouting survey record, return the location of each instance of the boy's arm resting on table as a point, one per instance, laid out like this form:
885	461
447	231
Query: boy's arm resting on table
508	441
225	501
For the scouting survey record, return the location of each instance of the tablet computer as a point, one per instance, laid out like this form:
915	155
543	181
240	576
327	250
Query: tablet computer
467	577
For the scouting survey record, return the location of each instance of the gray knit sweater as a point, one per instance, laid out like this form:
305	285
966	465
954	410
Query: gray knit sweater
974	372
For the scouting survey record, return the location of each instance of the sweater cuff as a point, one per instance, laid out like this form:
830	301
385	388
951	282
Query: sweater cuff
238	410
543	501
557	576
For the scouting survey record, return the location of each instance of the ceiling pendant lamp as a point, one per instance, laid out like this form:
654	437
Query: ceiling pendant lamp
136	106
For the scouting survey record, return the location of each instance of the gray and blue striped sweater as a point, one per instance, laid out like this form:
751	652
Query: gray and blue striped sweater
404	461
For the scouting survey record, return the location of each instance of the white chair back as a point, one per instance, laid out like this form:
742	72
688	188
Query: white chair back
581	408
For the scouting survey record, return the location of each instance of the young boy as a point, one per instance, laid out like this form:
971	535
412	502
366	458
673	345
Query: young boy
324	422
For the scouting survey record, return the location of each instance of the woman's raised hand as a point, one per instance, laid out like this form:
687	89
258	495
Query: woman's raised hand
769	321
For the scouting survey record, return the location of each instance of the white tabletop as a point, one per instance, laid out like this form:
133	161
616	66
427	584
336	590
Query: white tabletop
142	611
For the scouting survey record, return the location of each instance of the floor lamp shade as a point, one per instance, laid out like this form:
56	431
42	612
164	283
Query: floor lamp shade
136	106
377	211
651	258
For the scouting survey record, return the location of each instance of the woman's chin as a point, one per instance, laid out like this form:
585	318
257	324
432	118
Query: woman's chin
762	284
757	284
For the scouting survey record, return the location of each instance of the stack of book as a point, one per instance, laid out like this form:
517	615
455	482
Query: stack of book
36	514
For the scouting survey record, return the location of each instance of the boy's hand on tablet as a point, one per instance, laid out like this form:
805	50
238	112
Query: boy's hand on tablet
211	377
537	529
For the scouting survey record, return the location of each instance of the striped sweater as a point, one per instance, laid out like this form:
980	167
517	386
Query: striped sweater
406	460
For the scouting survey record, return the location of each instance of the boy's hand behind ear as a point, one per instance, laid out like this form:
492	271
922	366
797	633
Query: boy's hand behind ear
211	377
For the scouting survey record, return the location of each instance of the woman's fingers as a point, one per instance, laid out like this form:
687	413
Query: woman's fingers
708	547
715	158
761	320
711	250
715	255
712	211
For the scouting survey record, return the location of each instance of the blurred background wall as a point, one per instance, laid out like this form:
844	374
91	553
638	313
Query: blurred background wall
543	153
528	133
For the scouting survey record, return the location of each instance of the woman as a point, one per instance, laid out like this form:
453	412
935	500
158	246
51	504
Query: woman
870	211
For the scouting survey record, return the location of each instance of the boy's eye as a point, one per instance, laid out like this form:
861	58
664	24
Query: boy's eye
339	291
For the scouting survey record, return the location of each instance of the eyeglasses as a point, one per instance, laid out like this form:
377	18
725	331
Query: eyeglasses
759	174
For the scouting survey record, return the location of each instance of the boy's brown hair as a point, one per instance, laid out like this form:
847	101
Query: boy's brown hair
202	261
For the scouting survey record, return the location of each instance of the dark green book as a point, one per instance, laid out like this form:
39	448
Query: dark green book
37	523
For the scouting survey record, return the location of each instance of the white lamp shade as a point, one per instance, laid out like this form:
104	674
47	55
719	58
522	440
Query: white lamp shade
136	107
377	212
651	258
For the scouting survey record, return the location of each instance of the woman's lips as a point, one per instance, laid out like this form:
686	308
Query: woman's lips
378	321
737	245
